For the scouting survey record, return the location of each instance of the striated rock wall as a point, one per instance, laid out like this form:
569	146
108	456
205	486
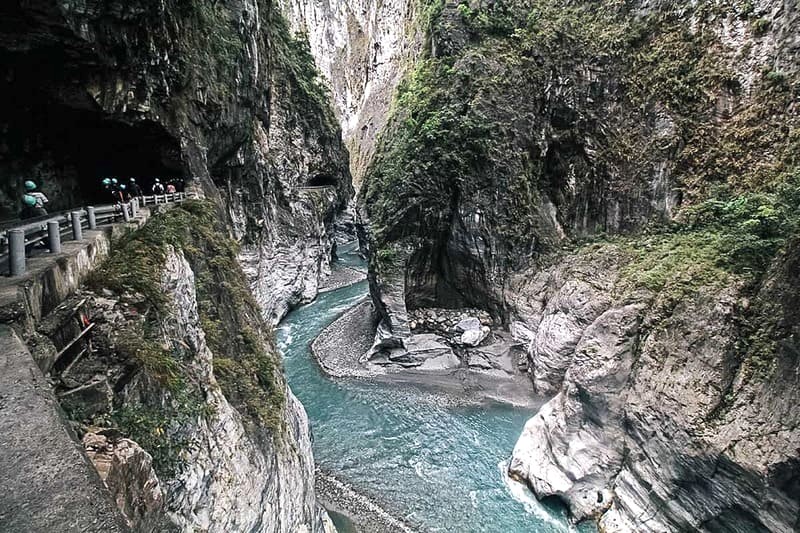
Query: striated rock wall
363	48
180	397
235	479
673	408
222	95
666	134
525	126
217	93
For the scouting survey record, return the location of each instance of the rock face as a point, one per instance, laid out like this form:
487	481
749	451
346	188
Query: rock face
222	95
231	103
661	421
180	396
127	471
235	478
506	140
363	49
652	129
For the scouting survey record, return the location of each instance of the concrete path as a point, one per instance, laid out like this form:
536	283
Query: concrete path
46	482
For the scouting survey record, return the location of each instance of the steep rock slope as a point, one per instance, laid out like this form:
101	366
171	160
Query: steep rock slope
673	406
363	48
221	94
666	136
218	93
527	124
183	395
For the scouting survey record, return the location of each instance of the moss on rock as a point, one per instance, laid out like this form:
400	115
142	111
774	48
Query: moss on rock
547	122
247	364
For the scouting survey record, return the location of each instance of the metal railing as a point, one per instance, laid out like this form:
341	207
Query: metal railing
49	232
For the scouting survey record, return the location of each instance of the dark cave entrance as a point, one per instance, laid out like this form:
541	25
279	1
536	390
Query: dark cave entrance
322	180
53	133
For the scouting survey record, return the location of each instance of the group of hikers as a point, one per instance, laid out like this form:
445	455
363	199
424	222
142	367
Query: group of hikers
34	201
122	192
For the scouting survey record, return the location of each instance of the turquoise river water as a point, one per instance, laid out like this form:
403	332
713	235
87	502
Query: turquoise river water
437	466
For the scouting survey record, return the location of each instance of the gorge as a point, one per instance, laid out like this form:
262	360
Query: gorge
480	265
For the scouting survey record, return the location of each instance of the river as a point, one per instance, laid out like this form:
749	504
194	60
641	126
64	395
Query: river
434	464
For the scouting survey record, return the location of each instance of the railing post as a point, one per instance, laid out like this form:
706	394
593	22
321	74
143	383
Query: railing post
166	200
92	217
16	252
125	213
54	236
134	207
144	200
77	230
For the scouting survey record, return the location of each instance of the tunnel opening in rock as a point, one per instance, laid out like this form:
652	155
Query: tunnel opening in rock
56	135
322	180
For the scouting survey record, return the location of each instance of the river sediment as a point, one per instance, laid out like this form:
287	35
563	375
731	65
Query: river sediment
340	347
342	276
359	511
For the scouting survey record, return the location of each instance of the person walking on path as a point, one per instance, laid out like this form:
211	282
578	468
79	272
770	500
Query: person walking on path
33	191
28	208
133	188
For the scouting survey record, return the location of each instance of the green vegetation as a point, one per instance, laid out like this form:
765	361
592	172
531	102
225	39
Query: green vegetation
162	430
148	351
469	124
464	120
727	235
246	363
760	26
295	70
211	44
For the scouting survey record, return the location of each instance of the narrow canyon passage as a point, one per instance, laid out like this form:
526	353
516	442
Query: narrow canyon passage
437	465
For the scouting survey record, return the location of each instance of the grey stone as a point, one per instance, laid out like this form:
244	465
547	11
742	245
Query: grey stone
468	324
473	337
658	426
48	483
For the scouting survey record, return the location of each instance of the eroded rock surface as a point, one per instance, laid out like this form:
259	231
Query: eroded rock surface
660	422
127	470
180	396
364	49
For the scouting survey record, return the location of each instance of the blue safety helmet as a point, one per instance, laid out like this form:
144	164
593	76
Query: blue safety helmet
29	200
122	187
29	185
107	181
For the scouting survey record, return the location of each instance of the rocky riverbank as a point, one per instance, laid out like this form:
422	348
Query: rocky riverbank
361	512
342	276
342	349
